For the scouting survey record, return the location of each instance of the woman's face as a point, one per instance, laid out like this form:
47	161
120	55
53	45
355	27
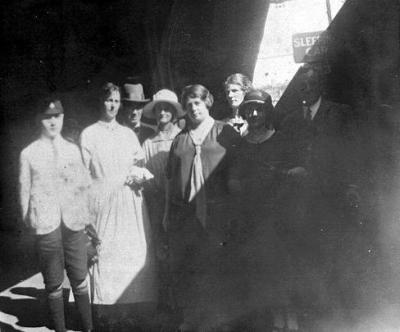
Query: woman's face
164	112
234	94
255	115
197	110
111	106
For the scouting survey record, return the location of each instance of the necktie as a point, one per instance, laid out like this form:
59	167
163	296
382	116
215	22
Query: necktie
54	151
197	190
54	161
307	114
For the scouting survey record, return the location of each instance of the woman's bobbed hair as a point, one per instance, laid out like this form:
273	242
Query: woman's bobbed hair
107	89
240	79
197	91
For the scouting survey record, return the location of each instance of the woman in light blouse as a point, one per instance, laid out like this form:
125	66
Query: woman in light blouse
165	109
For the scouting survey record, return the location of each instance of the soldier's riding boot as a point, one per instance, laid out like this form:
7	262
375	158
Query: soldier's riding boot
83	306
56	307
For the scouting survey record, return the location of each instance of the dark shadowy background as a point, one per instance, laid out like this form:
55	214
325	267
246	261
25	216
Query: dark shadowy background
72	47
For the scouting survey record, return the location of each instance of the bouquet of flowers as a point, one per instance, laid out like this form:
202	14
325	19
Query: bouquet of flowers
137	176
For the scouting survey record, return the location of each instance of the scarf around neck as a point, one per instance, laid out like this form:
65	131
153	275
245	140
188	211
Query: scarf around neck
197	190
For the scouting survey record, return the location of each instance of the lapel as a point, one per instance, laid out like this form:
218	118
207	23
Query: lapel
328	119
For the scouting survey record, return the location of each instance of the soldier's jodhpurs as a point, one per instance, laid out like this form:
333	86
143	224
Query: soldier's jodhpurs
64	248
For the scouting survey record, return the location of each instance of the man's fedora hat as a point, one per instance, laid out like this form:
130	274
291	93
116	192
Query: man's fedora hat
133	93
165	96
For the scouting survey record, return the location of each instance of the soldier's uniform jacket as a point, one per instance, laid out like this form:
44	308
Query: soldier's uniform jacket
53	186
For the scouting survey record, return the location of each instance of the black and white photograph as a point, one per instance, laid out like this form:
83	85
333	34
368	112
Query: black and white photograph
200	166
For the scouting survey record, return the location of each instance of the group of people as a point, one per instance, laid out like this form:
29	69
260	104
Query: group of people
221	221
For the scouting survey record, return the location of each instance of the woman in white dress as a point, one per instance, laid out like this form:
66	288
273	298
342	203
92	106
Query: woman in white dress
124	273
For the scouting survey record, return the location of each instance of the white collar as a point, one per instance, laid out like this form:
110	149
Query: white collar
236	119
112	125
56	141
166	134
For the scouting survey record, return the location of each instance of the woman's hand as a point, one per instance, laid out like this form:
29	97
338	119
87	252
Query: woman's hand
137	176
134	181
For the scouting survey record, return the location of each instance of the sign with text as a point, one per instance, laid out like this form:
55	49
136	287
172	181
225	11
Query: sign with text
310	44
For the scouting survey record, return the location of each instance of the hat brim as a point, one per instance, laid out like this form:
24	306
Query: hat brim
50	112
45	115
253	101
245	103
148	110
141	101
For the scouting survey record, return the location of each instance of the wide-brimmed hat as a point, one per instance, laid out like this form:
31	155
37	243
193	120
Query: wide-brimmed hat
165	96
133	93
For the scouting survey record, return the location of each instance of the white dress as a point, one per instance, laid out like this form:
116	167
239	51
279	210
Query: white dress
125	269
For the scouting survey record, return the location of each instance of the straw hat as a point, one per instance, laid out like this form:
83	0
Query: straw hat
165	96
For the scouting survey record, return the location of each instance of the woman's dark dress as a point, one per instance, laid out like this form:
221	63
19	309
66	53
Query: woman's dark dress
260	168
197	253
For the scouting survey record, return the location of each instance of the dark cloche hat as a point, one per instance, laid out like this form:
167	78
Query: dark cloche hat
256	96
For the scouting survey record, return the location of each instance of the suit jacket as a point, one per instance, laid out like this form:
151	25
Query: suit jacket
322	146
53	186
143	133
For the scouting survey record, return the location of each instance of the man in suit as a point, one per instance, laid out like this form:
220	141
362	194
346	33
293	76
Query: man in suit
133	102
321	188
53	188
320	135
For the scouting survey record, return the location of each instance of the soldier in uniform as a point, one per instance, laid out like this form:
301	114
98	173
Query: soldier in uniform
53	187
